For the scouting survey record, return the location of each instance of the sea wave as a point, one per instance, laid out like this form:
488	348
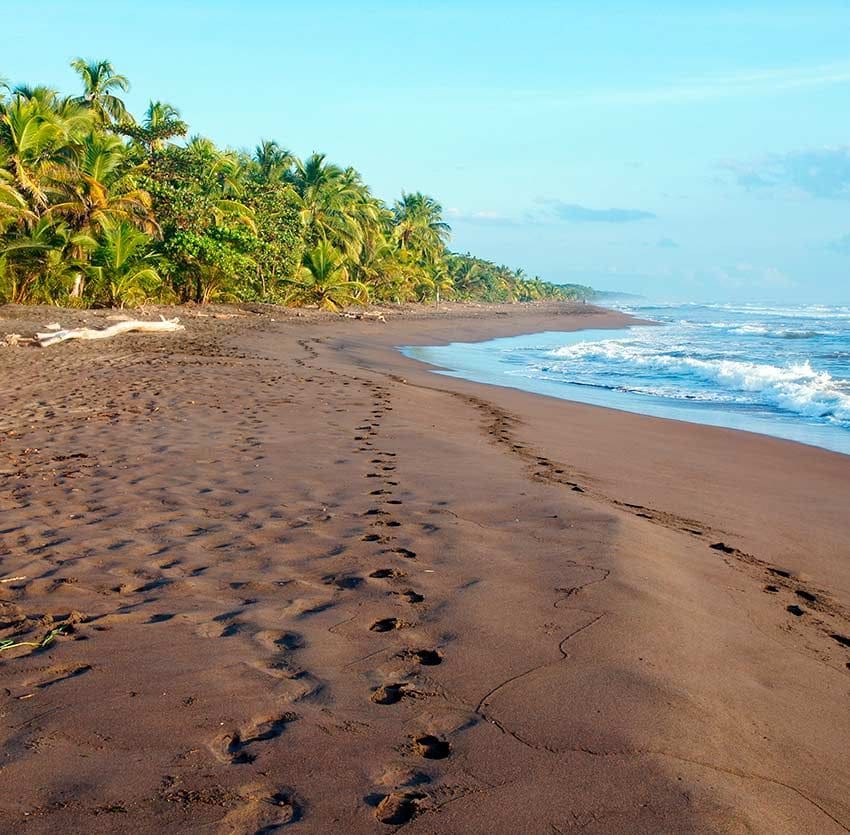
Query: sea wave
811	311
796	387
756	329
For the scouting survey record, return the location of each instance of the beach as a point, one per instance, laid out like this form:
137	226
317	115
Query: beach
301	581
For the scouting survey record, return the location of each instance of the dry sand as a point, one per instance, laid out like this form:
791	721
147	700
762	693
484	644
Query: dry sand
309	585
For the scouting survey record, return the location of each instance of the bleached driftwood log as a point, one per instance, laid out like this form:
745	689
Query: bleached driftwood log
378	316
164	326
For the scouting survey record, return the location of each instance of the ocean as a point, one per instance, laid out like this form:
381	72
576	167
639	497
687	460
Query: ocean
778	370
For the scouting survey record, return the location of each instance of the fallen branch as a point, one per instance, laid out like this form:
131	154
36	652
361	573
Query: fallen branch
12	340
164	326
378	316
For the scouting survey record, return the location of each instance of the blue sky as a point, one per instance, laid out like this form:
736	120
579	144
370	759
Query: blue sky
679	150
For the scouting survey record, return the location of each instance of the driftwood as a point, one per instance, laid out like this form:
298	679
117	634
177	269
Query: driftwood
378	316
164	326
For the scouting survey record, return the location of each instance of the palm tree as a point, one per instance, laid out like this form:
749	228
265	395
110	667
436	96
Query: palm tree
160	123
96	191
31	146
123	269
419	225
37	266
323	280
441	281
469	277
99	83
89	195
334	204
273	162
14	209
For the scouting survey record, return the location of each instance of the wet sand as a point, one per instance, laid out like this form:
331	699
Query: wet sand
306	584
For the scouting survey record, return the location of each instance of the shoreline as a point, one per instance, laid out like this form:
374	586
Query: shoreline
621	321
446	370
283	544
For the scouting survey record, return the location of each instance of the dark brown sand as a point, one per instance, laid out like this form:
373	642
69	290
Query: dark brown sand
309	585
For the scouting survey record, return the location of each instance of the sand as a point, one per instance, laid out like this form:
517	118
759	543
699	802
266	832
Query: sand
308	585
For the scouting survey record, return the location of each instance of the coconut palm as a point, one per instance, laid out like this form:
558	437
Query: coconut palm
96	190
440	281
419	225
323	281
123	269
334	204
37	266
160	123
100	81
14	209
96	208
32	147
273	163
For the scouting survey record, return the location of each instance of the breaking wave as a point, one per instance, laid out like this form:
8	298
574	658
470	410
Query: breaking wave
796	387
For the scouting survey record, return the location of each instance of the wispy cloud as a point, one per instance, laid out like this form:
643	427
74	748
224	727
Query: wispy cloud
483	218
817	172
574	213
757	81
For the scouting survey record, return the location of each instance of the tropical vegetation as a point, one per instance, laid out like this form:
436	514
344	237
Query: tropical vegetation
98	208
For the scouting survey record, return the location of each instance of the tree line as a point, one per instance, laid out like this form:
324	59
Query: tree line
99	209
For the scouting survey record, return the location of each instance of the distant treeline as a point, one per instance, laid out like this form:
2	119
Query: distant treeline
97	208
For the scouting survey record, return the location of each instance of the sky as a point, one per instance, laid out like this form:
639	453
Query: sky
681	151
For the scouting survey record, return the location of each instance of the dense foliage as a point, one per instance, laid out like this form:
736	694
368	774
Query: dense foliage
97	208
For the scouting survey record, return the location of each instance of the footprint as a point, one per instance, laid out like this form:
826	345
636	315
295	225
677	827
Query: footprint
342	582
399	807
262	814
779	572
410	596
389	694
425	657
286	812
431	747
388	624
404	552
795	610
386	573
235	745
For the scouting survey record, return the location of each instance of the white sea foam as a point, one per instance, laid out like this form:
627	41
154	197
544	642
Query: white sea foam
796	387
751	330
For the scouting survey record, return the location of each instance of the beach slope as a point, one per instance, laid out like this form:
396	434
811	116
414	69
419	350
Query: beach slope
296	579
